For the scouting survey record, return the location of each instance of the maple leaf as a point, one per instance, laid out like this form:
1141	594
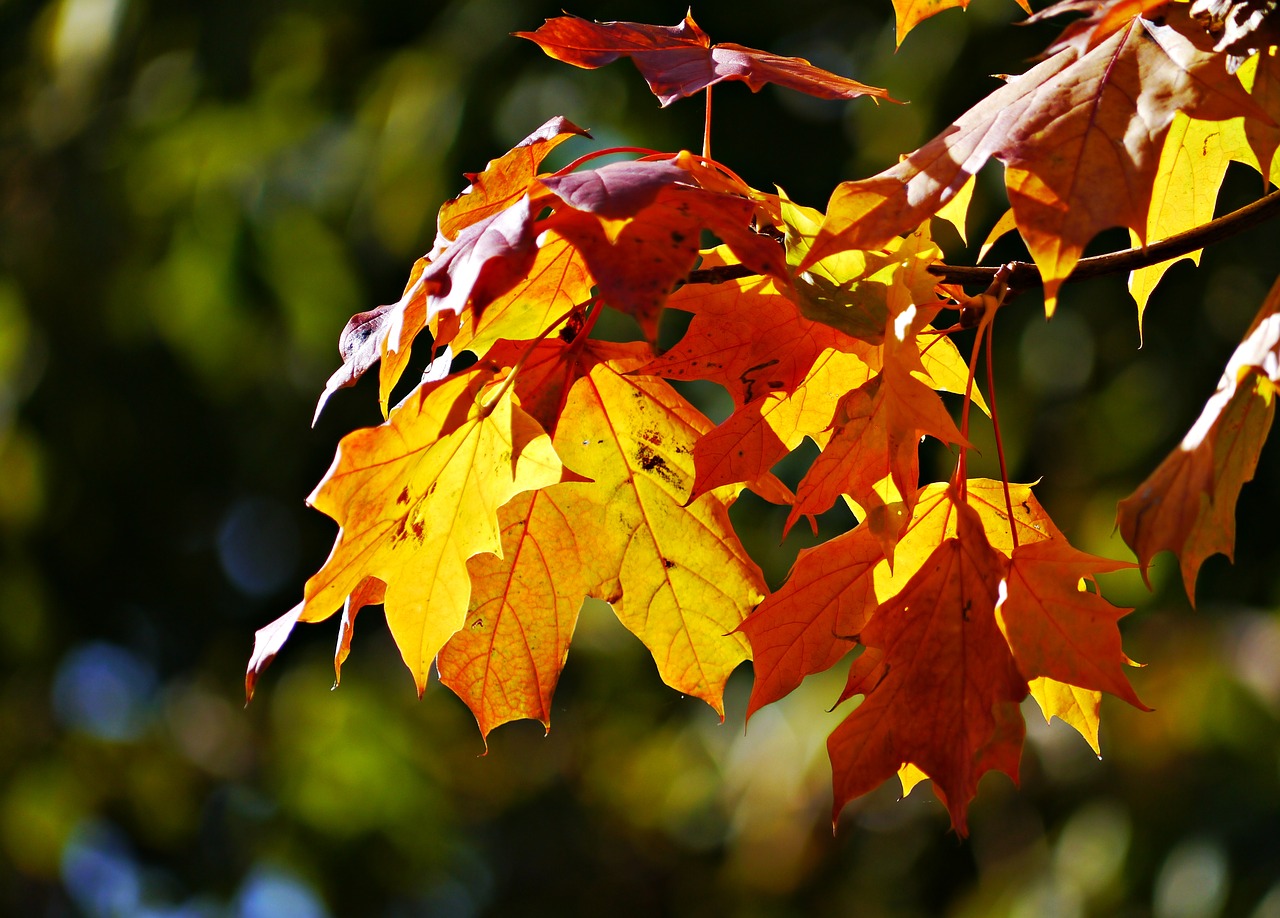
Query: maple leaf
478	230
565	542
1187	505
1079	134
936	675
1078	708
844	593
506	660
417	497
682	581
678	61
873	453
671	566
910	13
1184	192
808	625
833	588
637	227
1058	630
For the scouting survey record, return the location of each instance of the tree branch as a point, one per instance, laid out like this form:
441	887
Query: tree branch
1023	275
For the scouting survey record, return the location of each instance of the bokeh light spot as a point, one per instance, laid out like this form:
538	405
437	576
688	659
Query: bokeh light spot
269	892
99	873
258	545
103	690
1193	881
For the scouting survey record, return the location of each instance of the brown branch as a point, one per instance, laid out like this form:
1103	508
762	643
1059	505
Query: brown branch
719	274
1022	275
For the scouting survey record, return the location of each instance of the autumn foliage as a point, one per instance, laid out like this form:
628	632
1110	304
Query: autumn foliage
534	465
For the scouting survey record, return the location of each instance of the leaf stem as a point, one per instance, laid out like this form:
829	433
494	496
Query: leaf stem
706	128
607	151
962	466
995	426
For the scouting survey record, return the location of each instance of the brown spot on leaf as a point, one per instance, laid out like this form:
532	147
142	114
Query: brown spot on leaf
649	461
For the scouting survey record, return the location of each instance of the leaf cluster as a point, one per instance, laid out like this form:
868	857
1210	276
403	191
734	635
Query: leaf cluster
549	466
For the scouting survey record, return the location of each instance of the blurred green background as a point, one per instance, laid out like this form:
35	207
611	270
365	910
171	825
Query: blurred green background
193	199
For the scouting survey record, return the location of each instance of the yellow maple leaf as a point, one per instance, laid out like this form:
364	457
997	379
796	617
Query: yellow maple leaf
1192	165
1076	707
682	581
418	496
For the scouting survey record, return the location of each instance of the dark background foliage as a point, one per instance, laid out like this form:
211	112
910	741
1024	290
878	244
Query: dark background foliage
193	199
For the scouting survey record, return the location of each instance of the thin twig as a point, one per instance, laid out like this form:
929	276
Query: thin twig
1024	274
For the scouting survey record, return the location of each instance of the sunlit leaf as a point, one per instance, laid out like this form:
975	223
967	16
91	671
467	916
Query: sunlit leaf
1188	504
679	60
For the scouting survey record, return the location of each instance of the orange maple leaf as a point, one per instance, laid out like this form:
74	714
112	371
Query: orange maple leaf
506	660
678	61
1058	630
1080	136
809	624
1187	505
873	453
843	593
910	13
938	679
833	588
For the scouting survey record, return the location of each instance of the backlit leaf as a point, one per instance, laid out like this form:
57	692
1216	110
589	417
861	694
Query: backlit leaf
417	497
506	661
910	13
1192	166
1187	505
1080	137
935	672
683	583
1076	707
678	61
